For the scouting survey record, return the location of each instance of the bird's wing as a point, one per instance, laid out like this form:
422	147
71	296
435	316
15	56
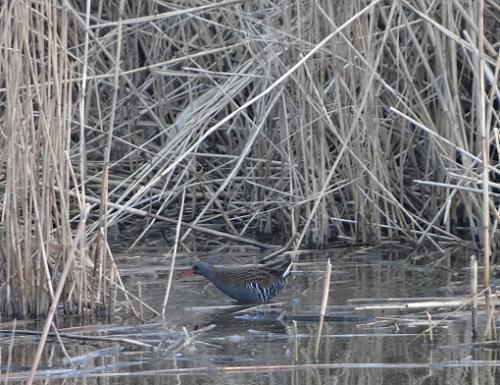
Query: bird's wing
244	275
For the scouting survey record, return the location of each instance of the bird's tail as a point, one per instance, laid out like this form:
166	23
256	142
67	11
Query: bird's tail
281	265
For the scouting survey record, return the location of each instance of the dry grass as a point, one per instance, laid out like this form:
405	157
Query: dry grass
254	117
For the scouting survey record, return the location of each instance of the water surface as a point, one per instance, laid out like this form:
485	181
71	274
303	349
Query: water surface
206	338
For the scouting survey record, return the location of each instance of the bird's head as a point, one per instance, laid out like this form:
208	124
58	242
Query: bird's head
199	268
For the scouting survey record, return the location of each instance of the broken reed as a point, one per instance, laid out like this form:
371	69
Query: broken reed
297	115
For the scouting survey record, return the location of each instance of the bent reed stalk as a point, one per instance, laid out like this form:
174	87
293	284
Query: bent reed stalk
258	117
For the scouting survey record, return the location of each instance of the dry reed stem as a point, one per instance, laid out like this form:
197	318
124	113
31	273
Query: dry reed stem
485	141
174	254
80	231
61	343
490	327
259	369
78	337
295	342
474	286
431	332
324	303
11	349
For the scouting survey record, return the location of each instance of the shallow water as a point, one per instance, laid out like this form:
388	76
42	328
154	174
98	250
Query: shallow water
275	344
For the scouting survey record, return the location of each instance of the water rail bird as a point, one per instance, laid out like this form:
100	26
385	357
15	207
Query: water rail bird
250	283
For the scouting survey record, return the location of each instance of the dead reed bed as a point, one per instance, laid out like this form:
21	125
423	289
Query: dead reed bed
237	119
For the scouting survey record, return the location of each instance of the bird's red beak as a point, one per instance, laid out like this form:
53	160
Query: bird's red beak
187	273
